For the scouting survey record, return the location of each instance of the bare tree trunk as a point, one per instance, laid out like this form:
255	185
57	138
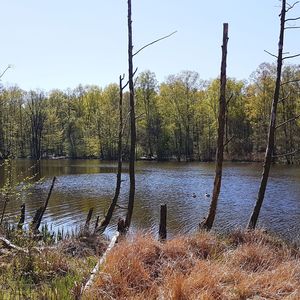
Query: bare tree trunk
132	122
163	222
113	204
22	217
88	220
209	220
40	212
272	127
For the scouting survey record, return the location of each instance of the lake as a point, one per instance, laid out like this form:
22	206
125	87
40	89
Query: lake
83	184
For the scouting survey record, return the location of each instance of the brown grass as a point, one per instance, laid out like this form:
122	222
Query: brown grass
242	265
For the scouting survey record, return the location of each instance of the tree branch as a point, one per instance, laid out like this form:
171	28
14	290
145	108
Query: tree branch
287	121
124	87
271	54
231	96
229	140
292	19
292	27
139	116
284	98
285	154
291	6
291	56
8	67
158	40
290	81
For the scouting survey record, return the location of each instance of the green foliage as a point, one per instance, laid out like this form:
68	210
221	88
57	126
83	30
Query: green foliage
175	119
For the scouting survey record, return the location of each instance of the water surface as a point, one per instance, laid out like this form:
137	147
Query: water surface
82	184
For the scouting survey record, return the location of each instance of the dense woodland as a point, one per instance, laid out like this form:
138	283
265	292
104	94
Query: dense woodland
176	119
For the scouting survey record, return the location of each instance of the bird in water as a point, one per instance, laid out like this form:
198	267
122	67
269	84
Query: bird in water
194	195
207	195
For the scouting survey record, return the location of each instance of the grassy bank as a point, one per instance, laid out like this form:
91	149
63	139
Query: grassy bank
41	271
242	265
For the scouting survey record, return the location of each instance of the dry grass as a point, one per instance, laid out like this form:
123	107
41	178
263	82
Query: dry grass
242	265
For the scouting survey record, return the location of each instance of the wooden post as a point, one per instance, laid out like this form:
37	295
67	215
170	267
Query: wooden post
88	220
163	222
22	216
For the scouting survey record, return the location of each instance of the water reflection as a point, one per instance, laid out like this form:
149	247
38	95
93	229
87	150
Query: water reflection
82	184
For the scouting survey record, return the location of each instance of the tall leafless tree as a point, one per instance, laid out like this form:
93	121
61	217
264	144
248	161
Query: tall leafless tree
209	220
132	121
131	74
272	126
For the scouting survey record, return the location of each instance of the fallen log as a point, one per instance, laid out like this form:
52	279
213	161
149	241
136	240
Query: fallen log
100	262
10	245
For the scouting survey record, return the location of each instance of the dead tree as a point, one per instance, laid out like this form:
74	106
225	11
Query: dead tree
131	74
132	121
272	126
209	220
114	201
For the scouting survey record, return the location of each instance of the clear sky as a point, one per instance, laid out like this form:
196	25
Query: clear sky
62	43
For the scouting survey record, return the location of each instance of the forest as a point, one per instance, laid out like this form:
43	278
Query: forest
175	119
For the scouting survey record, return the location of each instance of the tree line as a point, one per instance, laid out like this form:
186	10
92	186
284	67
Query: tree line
175	119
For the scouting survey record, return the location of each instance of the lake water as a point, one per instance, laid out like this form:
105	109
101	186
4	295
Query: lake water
83	184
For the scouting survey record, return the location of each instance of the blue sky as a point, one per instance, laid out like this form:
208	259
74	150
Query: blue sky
62	43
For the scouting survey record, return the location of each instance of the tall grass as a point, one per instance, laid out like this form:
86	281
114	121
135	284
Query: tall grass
242	265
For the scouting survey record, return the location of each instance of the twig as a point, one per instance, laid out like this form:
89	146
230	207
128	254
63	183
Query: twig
160	39
292	27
